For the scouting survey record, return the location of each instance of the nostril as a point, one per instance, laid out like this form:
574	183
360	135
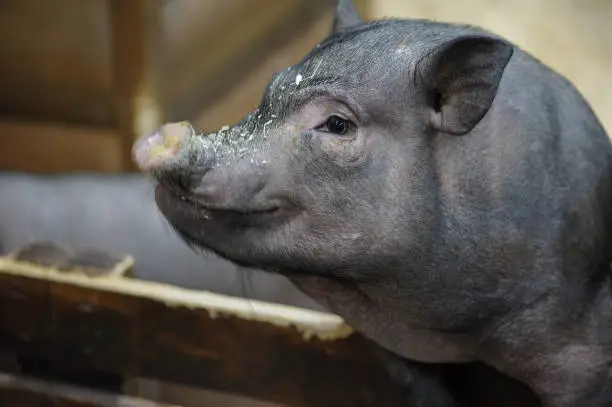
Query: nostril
184	183
163	147
142	152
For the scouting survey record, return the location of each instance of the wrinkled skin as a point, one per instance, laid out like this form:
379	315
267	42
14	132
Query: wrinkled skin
433	184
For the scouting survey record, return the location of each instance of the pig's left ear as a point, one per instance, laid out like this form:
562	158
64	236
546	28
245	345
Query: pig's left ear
463	76
346	16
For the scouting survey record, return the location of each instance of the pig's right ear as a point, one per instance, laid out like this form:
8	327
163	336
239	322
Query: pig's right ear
346	16
463	76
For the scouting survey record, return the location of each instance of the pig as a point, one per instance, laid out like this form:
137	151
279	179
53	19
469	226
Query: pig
114	212
446	193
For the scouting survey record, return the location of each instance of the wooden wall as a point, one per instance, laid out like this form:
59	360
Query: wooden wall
80	80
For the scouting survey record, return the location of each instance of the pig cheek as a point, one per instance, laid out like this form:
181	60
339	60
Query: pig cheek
343	152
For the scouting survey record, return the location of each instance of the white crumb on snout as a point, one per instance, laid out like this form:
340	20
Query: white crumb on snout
401	49
264	127
299	78
224	128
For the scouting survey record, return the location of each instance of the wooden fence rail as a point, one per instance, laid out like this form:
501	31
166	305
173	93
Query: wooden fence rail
109	324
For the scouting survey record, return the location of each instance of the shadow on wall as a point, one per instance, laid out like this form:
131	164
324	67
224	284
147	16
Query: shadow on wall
574	37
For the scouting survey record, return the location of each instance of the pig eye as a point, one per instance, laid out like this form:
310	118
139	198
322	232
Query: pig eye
337	125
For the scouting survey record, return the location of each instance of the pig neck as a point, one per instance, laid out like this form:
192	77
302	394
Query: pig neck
416	325
437	312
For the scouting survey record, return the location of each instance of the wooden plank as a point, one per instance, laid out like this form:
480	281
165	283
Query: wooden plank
225	99
17	391
287	355
57	147
258	31
247	95
55	61
135	43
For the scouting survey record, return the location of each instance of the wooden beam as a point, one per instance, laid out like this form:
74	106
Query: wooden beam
246	96
18	391
287	355
57	147
135	42
230	55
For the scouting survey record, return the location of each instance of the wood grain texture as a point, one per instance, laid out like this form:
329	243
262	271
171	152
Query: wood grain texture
16	391
55	61
233	49
134	328
135	28
49	147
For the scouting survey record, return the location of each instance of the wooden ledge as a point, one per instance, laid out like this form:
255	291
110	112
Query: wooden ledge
309	323
19	391
129	328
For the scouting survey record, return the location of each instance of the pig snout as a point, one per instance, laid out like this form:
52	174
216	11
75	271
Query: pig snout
162	148
186	165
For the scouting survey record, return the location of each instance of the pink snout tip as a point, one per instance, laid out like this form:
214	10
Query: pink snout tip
161	147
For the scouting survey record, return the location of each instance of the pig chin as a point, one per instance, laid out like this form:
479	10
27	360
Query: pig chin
216	229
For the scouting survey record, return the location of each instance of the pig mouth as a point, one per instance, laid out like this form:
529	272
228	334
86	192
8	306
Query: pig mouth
186	212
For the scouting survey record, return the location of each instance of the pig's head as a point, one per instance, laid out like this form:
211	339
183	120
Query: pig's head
333	174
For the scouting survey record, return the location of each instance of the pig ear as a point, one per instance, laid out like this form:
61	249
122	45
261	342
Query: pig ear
346	16
464	75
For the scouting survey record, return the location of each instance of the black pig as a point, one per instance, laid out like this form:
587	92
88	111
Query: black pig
433	184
